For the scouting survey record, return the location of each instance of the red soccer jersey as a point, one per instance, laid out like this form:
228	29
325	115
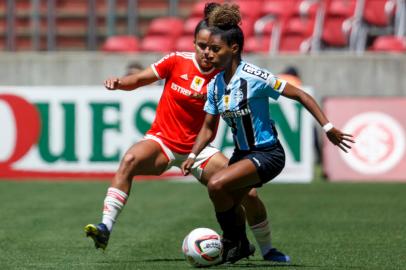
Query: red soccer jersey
180	114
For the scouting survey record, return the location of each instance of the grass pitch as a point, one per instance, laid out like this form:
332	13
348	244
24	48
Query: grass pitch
320	225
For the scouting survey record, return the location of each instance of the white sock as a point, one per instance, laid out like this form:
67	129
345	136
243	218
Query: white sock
113	204
262	233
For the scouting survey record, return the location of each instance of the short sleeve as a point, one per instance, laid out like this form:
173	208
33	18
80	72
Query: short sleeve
163	67
274	86
211	105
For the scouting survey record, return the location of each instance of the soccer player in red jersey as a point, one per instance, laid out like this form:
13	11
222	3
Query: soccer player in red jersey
179	117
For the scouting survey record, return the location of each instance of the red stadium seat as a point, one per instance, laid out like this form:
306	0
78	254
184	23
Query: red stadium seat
250	9
335	33
121	44
278	8
185	43
190	25
306	8
389	44
197	10
296	34
157	44
379	12
337	23
168	26
257	44
247	26
341	8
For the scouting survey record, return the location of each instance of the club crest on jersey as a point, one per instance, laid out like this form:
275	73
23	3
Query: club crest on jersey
197	83
226	100
238	96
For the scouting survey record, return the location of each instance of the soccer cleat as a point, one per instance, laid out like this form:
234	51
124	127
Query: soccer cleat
275	255
99	233
235	251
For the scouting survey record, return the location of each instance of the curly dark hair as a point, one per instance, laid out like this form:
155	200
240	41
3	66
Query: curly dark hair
225	16
224	20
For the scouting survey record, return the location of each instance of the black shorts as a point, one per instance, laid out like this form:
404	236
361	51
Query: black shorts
269	161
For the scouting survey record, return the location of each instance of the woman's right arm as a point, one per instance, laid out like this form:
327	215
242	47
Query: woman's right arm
203	138
131	82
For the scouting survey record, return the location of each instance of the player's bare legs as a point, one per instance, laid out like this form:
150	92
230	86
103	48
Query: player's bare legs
255	211
143	158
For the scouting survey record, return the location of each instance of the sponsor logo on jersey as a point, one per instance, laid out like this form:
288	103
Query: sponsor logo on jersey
180	89
234	114
256	71
184	76
197	83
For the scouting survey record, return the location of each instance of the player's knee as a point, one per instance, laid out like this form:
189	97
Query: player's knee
128	164
252	195
215	185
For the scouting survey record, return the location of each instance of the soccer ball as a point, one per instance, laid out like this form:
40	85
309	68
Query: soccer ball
202	247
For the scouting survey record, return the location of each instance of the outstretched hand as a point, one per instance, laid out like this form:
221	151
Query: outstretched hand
112	83
187	166
340	139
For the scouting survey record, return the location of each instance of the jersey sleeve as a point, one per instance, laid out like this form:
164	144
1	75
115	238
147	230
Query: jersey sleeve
274	86
163	67
211	106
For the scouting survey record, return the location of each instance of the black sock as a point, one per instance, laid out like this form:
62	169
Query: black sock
228	221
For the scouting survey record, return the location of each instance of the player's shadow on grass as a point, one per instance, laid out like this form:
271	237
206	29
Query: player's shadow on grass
163	260
257	265
250	264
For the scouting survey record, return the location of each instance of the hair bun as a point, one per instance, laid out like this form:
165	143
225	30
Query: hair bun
225	16
208	9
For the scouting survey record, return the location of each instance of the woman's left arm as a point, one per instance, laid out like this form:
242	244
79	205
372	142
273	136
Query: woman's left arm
334	135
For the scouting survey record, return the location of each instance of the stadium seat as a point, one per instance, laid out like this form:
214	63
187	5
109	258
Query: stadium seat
389	44
247	26
256	44
296	35
337	23
197	10
278	8
250	9
185	43
157	44
168	26
379	12
121	44
190	25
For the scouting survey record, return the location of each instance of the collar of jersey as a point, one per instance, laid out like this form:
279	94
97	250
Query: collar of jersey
237	71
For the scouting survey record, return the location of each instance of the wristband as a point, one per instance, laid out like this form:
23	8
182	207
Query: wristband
327	127
192	156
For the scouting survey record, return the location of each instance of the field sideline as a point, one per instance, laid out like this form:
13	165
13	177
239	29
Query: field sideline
320	225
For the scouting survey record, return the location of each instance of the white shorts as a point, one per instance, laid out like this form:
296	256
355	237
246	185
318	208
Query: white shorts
176	159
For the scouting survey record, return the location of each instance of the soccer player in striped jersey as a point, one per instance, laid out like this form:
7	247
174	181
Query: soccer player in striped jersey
240	95
179	117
